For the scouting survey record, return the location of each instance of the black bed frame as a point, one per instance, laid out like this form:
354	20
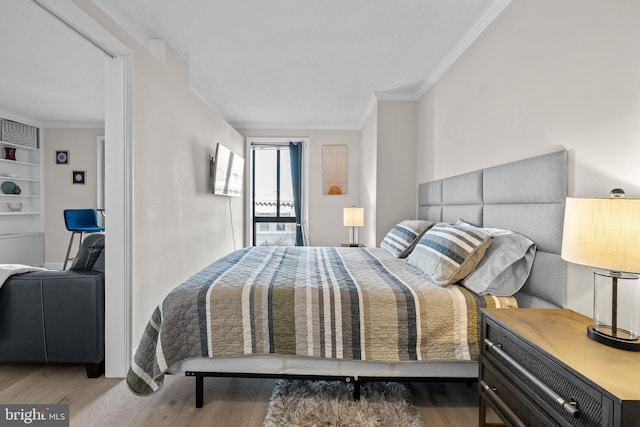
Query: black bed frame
356	381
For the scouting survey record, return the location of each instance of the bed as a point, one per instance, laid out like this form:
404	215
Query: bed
359	314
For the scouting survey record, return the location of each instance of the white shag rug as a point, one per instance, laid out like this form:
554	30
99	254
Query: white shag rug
303	403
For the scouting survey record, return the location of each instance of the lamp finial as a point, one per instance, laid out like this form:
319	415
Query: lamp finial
617	193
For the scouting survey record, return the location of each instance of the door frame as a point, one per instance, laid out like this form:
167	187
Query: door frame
119	61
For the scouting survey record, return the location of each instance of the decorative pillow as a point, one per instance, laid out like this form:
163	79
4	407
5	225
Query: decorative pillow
448	253
401	239
90	251
505	266
99	265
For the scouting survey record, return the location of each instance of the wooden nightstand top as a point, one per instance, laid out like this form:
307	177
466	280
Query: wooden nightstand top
562	333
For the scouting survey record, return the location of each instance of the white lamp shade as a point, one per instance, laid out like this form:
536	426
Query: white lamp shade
353	217
602	233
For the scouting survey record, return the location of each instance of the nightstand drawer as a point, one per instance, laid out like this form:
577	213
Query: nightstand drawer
501	392
543	381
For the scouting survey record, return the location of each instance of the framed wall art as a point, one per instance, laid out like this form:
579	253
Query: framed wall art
78	177
334	170
62	157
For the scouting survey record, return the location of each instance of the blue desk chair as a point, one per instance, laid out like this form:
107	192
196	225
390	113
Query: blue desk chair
80	221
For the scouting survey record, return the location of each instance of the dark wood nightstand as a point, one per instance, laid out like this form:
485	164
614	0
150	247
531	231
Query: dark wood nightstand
346	245
538	367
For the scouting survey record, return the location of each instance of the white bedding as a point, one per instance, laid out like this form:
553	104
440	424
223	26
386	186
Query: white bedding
8	270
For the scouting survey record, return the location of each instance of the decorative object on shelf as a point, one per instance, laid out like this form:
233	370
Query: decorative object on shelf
334	169
19	133
9	153
8	187
78	177
62	157
605	234
353	217
14	206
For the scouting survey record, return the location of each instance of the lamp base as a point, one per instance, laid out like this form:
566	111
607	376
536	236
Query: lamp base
611	341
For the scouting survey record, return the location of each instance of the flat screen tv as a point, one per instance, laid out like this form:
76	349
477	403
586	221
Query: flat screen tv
226	170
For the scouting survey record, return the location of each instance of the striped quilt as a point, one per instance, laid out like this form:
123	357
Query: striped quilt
319	302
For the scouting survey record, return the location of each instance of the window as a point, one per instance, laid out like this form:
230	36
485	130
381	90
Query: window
274	218
270	206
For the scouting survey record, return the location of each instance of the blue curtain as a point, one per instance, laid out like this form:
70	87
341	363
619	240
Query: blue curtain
295	155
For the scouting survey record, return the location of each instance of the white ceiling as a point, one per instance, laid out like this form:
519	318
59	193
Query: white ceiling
277	63
47	72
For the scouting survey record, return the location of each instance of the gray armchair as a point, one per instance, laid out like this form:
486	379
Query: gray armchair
57	316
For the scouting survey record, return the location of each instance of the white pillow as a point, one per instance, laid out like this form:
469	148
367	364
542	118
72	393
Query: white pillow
505	266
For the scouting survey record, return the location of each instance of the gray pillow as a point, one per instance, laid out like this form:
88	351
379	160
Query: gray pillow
99	264
401	239
505	266
446	253
90	251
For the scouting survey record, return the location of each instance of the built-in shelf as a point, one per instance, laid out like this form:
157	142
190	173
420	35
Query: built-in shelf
21	147
14	178
18	162
26	172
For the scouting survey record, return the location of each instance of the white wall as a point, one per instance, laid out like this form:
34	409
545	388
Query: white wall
179	226
544	75
368	177
59	193
388	144
325	212
396	165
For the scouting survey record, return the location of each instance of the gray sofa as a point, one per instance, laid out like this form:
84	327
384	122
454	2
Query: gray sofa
57	316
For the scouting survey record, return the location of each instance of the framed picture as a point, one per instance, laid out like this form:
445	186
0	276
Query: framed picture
334	170
62	157
78	177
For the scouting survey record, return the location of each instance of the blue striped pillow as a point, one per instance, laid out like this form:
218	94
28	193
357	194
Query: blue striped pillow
401	239
447	254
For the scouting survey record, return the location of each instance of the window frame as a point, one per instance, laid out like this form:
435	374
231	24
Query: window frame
250	225
277	219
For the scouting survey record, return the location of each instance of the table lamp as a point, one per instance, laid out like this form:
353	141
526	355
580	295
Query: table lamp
353	217
605	234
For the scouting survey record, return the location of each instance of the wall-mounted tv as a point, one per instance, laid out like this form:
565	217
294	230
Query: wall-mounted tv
226	170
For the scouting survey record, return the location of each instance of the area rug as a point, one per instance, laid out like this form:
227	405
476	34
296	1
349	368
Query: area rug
304	403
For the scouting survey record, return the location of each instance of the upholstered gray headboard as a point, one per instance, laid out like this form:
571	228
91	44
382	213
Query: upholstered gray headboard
526	196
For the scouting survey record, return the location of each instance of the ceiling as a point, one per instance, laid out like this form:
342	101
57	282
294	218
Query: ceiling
260	64
48	73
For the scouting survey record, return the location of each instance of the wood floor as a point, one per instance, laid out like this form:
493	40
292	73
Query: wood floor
228	402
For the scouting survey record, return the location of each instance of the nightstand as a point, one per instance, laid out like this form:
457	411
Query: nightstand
346	245
538	367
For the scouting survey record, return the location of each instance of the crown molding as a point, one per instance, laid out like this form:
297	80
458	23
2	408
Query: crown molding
20	118
45	124
400	96
71	125
373	101
492	12
481	24
300	126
